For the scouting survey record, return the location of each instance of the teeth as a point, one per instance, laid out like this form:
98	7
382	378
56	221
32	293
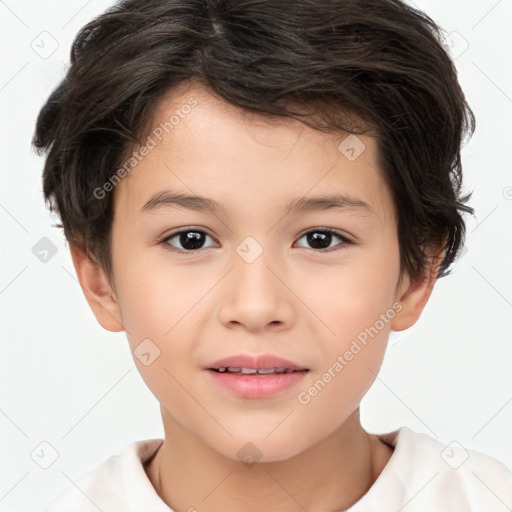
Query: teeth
249	371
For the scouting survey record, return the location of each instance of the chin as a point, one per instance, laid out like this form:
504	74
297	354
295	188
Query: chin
261	451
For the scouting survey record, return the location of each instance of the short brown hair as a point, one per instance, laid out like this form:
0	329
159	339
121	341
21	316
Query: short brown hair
380	60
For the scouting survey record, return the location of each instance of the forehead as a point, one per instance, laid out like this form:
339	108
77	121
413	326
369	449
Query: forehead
201	143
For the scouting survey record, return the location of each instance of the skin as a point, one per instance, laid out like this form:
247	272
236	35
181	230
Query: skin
300	304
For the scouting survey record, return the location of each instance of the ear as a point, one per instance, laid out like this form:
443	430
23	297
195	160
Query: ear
97	290
414	295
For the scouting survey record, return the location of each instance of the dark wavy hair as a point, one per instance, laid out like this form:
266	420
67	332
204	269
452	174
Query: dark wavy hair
325	63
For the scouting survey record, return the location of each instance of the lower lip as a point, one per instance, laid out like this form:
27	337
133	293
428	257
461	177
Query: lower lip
257	386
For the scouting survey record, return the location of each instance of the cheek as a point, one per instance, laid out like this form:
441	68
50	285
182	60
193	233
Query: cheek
352	297
155	294
356	309
163	303
351	360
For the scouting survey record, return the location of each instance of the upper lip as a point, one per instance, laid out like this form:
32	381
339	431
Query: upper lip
257	362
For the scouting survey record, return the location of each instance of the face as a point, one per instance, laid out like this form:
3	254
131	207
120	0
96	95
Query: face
309	284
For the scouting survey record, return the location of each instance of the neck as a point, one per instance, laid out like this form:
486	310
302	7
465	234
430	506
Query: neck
330	475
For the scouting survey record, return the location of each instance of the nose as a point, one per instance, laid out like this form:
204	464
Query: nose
255	295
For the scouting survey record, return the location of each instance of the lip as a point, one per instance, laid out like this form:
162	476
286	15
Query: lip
256	386
257	362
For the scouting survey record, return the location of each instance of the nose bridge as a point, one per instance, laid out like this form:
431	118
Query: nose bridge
256	296
253	277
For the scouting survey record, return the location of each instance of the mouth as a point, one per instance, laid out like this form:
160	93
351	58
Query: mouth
256	385
254	371
247	364
256	377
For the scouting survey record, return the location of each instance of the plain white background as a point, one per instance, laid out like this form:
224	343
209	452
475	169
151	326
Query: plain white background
67	383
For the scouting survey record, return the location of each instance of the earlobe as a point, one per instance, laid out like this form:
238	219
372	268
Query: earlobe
413	296
97	290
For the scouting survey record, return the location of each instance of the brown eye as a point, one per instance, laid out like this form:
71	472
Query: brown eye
321	239
192	240
188	240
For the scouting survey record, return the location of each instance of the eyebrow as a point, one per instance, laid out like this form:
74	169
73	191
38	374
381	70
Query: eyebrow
168	199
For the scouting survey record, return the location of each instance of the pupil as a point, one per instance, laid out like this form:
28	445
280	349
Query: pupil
314	238
191	240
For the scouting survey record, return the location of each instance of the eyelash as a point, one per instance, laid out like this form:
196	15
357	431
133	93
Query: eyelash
344	240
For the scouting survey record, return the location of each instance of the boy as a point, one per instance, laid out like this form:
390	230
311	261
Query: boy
201	154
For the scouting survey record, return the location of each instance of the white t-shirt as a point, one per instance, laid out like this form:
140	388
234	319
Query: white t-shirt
421	475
